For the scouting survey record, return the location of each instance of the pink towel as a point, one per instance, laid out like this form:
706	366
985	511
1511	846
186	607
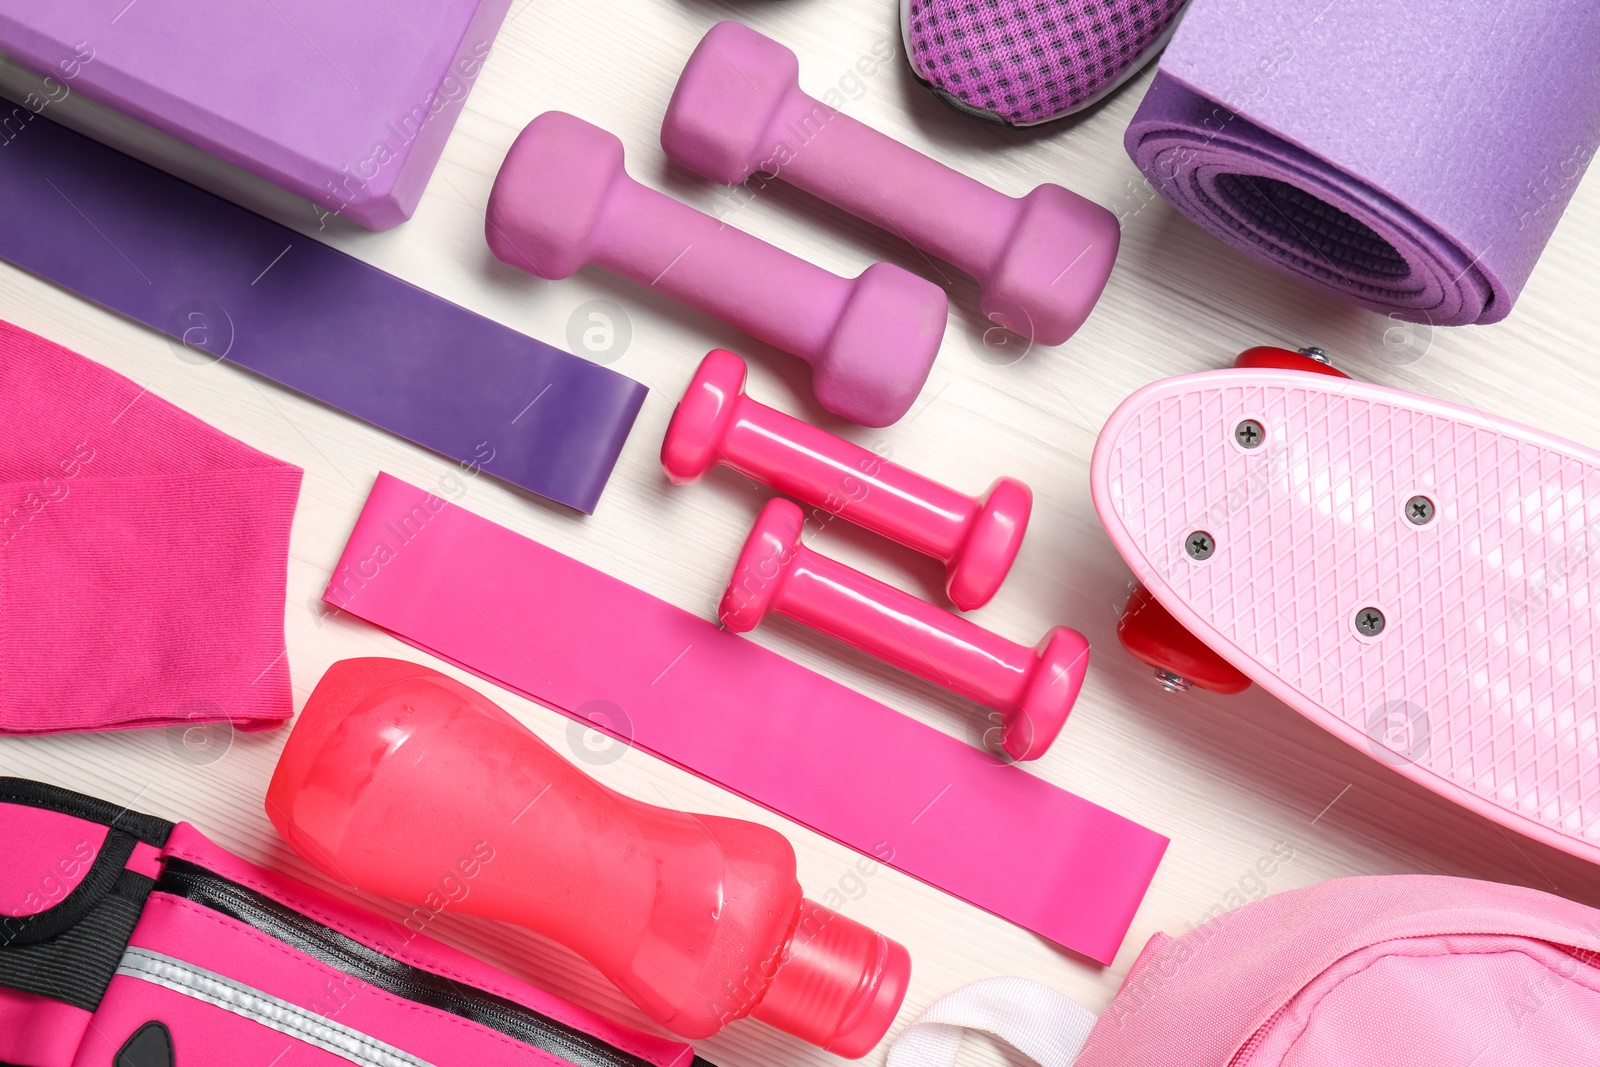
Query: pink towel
142	556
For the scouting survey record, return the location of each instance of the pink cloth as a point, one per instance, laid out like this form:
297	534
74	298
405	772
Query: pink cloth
142	556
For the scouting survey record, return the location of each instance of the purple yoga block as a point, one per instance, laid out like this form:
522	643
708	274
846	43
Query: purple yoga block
347	103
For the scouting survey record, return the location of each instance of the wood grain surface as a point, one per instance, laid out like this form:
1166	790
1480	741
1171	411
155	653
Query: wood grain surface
1230	780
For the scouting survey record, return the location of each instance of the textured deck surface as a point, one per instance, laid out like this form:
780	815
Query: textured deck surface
1484	671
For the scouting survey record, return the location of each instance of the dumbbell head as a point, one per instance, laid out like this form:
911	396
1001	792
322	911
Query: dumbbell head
1041	262
719	121
1033	689
1063	659
551	194
883	346
871	340
1052	267
759	574
993	538
693	443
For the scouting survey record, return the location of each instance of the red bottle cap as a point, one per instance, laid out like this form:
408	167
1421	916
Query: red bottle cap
839	984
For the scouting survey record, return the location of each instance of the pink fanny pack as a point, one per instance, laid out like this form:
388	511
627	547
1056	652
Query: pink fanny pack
128	940
1396	971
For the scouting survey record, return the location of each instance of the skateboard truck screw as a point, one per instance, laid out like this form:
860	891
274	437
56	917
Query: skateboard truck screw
1369	622
1173	682
1419	511
1249	434
1200	545
1313	352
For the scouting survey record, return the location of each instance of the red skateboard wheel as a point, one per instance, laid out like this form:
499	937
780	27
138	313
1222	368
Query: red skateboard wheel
1268	357
1150	633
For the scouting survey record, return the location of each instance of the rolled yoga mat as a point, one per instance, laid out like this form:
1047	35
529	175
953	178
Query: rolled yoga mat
1412	158
233	285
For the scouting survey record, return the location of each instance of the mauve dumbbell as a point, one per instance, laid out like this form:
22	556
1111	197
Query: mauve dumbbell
1041	261
563	200
1032	688
716	423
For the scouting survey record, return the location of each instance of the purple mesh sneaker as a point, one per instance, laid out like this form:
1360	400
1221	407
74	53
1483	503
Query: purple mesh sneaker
1023	62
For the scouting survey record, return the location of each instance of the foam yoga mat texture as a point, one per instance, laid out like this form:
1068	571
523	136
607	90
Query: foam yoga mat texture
1412	158
232	284
526	617
347	104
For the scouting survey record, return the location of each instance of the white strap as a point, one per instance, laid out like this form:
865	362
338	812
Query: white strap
1047	1027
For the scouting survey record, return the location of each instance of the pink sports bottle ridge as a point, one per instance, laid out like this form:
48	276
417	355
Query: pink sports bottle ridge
404	782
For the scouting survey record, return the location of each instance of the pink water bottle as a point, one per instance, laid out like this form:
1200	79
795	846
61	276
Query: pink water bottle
402	781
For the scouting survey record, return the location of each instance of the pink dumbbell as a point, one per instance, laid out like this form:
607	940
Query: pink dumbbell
716	423
1032	688
563	200
1041	261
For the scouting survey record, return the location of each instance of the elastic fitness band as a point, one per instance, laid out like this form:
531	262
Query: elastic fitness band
528	618
231	283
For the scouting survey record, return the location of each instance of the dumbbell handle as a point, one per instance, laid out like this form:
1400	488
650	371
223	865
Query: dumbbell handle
900	629
1032	689
692	257
845	479
716	423
931	206
739	114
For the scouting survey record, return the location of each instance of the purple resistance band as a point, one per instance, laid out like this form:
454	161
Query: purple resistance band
241	287
528	618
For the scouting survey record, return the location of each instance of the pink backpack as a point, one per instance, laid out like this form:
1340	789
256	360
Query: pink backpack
1397	971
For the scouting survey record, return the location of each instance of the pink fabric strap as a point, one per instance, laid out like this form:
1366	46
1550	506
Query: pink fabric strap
535	621
142	556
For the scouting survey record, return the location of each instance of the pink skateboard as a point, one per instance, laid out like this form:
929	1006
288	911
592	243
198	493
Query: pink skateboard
1421	579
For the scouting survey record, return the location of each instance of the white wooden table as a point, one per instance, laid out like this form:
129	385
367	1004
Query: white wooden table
1228	779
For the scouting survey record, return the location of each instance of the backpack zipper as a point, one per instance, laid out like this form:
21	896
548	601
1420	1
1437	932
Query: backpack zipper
1247	1050
193	883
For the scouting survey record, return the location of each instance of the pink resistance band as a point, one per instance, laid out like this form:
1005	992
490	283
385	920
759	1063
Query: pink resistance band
142	556
530	619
